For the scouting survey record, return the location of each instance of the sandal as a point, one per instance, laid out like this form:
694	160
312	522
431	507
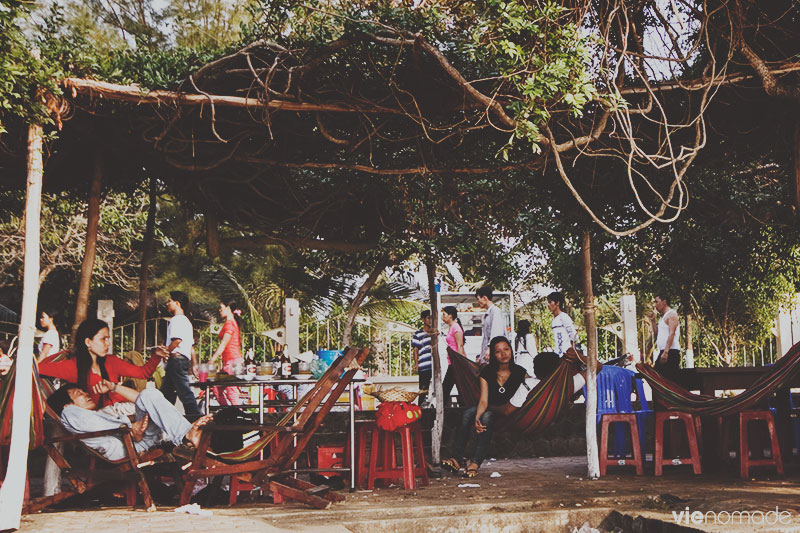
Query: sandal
451	465
472	471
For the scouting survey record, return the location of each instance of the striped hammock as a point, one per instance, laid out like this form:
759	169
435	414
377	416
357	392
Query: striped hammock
676	397
41	389
545	401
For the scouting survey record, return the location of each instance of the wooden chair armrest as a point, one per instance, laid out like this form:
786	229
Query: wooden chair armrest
251	427
79	436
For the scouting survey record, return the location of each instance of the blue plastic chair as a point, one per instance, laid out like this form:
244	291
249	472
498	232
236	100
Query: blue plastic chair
614	389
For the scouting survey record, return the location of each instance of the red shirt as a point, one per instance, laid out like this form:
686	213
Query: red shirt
116	367
233	349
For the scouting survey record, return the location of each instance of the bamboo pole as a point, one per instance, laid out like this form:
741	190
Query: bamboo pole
592	457
438	423
89	254
144	272
13	489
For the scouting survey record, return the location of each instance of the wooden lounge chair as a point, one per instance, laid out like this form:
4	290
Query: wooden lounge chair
287	439
100	469
129	470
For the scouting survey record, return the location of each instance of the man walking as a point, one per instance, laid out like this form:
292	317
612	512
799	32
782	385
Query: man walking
492	325
180	339
668	332
564	333
421	343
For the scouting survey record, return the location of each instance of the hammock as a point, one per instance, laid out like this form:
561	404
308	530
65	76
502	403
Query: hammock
676	397
39	393
545	401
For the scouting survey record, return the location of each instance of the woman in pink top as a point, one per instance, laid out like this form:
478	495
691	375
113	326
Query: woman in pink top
455	341
229	349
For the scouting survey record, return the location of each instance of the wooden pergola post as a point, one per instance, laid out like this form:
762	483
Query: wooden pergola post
592	457
12	491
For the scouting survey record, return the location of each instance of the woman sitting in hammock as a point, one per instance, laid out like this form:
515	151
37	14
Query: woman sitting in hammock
499	380
90	364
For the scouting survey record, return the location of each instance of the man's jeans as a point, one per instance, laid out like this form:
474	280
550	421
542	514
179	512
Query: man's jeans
163	417
176	385
463	431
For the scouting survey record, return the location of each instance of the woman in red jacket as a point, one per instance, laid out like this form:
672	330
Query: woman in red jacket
90	363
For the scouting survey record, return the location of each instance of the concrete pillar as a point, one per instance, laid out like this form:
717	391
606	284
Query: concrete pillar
105	312
630	340
292	308
784	330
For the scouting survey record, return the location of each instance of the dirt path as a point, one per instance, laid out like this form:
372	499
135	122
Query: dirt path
549	492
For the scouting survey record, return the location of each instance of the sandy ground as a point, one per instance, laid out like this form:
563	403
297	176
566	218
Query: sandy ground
549	494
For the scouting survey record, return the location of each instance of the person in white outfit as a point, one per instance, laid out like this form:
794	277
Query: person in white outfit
564	333
50	342
668	344
493	324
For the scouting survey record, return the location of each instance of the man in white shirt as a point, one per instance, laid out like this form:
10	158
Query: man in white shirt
493	324
180	339
668	334
564	333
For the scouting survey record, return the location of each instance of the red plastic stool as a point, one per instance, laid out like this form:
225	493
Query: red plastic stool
411	441
605	460
692	429
745	462
364	430
331	457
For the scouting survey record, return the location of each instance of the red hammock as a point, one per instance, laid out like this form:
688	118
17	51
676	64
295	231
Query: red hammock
676	397
40	391
544	403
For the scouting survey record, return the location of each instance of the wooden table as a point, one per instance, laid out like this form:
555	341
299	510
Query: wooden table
709	380
295	383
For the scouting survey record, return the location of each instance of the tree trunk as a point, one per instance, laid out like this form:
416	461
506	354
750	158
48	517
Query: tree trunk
212	235
592	457
347	332
144	272
93	222
438	422
689	339
13	488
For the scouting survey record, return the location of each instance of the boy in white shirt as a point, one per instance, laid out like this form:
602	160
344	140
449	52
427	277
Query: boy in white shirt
564	334
180	339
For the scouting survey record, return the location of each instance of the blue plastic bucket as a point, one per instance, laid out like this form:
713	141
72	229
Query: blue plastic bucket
329	356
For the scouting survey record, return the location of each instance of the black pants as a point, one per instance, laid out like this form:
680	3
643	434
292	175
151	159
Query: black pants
670	368
424	383
448	384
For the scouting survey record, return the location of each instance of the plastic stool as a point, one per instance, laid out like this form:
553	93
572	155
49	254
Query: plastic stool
605	460
331	457
689	422
413	457
364	429
745	462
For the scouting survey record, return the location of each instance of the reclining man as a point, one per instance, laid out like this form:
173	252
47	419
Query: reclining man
544	364
154	414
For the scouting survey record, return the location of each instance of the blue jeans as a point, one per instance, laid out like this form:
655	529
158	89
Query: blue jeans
176	385
463	432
